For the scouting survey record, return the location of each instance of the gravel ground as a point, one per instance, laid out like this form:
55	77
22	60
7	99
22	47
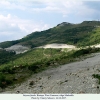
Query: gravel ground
75	78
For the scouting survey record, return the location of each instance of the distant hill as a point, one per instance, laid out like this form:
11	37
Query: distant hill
82	34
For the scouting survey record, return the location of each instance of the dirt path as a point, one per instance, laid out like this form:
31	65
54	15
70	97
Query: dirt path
70	78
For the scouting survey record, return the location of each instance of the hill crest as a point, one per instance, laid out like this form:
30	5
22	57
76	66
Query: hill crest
65	33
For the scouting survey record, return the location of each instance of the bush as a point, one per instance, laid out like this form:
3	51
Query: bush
33	67
4	82
8	70
97	76
2	78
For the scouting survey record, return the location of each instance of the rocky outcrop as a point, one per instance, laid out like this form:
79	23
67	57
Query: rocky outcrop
17	48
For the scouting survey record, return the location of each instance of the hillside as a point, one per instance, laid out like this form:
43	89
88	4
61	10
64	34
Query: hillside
20	67
73	78
16	65
82	34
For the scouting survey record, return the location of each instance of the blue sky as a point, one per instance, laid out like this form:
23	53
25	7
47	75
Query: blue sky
21	17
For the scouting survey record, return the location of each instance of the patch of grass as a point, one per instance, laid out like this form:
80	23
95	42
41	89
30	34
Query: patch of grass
97	76
4	81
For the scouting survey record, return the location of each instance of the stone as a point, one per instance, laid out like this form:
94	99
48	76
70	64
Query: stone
97	87
66	80
93	86
31	83
18	91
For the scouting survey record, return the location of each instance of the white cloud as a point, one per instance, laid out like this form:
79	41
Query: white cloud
63	7
14	27
10	5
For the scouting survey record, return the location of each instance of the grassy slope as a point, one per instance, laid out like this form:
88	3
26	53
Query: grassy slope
70	34
92	39
24	65
8	43
35	61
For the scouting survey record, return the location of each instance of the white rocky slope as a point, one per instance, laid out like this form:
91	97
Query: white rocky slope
17	48
56	45
75	77
21	49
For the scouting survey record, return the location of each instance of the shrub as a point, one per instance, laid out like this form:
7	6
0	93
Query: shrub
8	70
97	76
33	67
4	81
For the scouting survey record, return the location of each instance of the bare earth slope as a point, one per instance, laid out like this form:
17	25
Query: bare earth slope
70	78
17	48
56	45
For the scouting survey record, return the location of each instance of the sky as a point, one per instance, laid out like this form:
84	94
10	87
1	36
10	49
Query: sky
19	18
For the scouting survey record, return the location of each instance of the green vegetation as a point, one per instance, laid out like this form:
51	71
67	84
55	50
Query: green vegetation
8	43
4	81
85	51
91	39
83	34
36	60
97	76
74	36
6	56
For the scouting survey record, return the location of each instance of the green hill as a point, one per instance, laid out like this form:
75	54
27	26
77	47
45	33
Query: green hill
83	34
